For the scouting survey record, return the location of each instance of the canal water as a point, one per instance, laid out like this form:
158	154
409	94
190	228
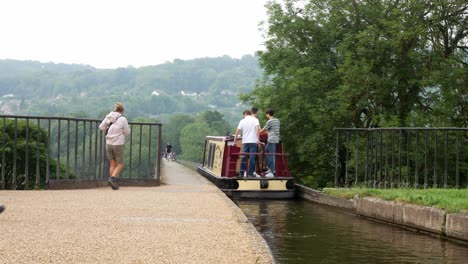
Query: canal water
299	231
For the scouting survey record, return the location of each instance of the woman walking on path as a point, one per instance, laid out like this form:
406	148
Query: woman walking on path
115	125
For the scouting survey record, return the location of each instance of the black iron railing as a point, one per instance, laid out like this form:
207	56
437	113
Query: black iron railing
35	150
402	157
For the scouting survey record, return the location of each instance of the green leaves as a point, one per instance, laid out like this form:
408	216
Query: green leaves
340	63
187	134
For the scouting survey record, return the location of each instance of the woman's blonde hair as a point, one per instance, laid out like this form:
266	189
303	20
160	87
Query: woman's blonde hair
118	107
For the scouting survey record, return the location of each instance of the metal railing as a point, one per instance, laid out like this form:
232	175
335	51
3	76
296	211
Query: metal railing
36	150
402	157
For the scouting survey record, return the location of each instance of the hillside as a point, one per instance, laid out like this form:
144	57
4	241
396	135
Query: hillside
190	86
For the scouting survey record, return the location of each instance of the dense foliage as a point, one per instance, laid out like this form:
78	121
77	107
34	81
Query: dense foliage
192	86
187	134
24	154
342	63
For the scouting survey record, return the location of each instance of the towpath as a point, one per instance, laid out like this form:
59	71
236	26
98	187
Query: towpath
185	220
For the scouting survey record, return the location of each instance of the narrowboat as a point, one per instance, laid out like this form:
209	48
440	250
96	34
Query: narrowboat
221	165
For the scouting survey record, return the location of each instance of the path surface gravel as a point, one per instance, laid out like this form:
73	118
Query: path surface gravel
185	220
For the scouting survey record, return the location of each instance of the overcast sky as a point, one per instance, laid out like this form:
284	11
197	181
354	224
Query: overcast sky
119	33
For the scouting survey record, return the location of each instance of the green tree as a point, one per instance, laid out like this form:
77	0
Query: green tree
340	63
172	131
192	141
216	123
27	143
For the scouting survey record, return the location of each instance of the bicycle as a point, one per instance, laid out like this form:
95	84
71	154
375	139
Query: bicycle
170	156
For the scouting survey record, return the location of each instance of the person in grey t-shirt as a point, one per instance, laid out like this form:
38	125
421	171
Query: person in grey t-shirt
272	126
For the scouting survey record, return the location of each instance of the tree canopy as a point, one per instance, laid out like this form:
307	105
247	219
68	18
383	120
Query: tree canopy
368	63
181	86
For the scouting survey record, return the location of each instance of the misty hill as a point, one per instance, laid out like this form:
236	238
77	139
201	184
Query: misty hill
184	86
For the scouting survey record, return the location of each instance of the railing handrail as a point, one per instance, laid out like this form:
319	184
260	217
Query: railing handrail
72	118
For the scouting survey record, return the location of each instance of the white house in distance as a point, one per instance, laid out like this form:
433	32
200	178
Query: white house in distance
188	93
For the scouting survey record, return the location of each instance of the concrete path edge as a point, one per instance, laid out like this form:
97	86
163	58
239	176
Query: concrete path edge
259	239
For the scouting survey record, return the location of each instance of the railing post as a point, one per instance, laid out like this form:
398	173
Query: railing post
131	151
159	150
26	158
139	152
393	160
400	138
435	160
38	171
57	169
376	164
457	166
416	172
91	161
102	155
357	158
3	152
408	162
367	159
381	158
97	150
149	152
347	160
446	160
83	158
14	183
67	173
76	149
386	164
337	155
371	159
426	170
48	151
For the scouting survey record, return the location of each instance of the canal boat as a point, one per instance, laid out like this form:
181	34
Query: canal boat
221	165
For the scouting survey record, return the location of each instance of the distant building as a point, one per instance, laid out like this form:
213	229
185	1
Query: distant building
190	93
228	92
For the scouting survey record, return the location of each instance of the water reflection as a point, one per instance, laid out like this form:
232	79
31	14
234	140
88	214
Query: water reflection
303	232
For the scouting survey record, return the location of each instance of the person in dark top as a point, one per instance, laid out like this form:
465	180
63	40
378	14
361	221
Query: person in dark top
168	150
2	208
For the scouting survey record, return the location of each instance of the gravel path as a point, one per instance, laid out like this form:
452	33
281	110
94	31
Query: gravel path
186	220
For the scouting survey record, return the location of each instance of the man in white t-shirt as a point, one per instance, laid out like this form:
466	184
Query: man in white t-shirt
250	127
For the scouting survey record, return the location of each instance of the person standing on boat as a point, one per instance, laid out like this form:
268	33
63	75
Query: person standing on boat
250	128
254	111
116	127
272	126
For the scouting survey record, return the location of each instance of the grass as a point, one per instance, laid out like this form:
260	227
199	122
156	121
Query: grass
451	200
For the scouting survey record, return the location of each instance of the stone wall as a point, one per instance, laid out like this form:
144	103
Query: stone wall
424	218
